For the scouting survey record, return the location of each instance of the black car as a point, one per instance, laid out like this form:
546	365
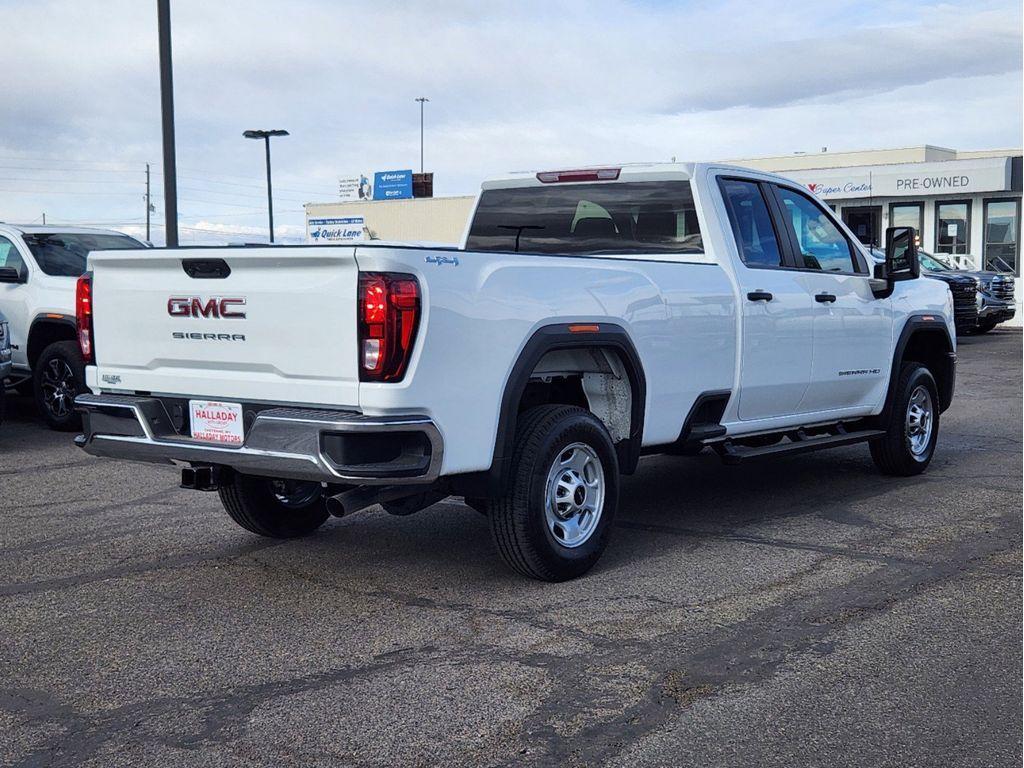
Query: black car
962	285
995	292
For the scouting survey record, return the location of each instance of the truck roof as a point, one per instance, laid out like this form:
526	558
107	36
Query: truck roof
626	172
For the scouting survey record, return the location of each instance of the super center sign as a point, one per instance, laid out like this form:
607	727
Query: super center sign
948	177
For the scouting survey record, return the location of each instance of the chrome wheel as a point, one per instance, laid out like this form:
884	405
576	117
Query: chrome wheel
920	421
295	494
59	388
574	495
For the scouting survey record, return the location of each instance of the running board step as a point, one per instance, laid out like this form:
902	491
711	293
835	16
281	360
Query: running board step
735	454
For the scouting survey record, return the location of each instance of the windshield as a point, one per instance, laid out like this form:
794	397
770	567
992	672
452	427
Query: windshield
931	263
928	261
62	254
628	217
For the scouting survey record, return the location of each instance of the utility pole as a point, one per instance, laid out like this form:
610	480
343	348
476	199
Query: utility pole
148	204
422	100
163	12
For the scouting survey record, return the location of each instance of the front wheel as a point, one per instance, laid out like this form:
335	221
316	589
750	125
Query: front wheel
909	442
555	520
57	377
278	509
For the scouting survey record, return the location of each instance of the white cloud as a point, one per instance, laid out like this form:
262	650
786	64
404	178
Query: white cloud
524	85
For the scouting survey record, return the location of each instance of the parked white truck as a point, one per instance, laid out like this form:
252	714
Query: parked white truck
590	317
38	269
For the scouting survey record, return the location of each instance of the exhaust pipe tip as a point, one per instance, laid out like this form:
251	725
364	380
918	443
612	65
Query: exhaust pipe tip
335	507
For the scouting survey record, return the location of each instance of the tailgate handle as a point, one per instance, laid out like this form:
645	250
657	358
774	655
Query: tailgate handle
206	269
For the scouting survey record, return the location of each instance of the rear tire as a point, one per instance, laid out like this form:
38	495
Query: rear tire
909	443
555	520
57	378
278	509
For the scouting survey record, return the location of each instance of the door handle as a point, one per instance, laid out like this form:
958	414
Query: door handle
760	296
824	298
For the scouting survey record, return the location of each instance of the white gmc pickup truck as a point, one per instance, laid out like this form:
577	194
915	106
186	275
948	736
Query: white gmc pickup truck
590	317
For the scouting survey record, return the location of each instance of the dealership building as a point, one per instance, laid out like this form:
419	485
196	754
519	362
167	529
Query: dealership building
966	204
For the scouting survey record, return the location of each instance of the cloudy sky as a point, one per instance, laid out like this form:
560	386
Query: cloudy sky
512	86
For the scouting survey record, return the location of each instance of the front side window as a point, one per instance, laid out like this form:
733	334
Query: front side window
63	254
9	256
751	223
951	227
612	218
1002	232
821	243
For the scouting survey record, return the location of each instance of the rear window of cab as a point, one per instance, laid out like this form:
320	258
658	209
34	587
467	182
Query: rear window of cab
598	218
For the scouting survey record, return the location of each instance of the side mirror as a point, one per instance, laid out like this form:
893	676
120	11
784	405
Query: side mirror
901	261
10	275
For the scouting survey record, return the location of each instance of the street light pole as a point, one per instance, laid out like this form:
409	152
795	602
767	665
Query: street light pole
265	135
422	100
163	14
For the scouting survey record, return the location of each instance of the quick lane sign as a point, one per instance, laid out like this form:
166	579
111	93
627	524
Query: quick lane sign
986	174
350	229
392	185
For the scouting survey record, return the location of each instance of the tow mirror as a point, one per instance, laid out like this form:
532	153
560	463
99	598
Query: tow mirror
10	275
901	261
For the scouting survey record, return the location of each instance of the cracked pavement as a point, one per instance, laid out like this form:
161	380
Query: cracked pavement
802	611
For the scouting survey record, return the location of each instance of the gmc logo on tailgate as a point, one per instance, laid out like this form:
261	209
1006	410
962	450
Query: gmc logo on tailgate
193	306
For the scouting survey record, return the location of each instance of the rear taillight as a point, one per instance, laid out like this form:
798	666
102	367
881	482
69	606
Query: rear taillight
83	315
389	312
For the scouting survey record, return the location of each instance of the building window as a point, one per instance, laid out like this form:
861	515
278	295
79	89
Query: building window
952	226
1002	235
907	215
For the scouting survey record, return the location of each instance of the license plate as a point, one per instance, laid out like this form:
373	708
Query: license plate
216	422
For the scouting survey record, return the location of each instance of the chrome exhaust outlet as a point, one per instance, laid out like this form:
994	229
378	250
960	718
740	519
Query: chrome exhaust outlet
356	499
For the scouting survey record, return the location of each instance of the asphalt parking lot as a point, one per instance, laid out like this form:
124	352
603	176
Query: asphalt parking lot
805	611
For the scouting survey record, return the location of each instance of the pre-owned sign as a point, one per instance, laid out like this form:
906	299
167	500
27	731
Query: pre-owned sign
985	174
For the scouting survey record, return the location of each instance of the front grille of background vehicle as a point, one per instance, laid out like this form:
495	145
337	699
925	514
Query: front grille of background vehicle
1002	287
965	304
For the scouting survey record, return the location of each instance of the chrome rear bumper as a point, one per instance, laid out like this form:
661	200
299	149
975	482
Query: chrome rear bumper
303	444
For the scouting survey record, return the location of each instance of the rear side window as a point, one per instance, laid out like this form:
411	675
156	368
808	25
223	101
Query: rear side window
628	217
64	253
751	223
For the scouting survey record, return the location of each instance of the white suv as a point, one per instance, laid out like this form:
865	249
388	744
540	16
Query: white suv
38	270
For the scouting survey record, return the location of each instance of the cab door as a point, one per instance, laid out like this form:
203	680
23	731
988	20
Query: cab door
777	313
14	301
852	329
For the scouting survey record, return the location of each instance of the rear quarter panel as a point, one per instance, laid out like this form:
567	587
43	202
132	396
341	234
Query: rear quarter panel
480	312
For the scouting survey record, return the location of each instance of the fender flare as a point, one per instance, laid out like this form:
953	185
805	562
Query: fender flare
546	339
915	324
47	319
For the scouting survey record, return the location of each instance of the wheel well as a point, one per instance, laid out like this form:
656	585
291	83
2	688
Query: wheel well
931	348
44	333
594	378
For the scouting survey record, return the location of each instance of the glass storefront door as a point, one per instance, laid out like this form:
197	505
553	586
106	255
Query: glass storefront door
907	215
1002	235
952	226
865	222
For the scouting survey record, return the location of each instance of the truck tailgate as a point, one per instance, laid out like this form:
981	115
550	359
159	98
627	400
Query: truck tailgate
280	327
